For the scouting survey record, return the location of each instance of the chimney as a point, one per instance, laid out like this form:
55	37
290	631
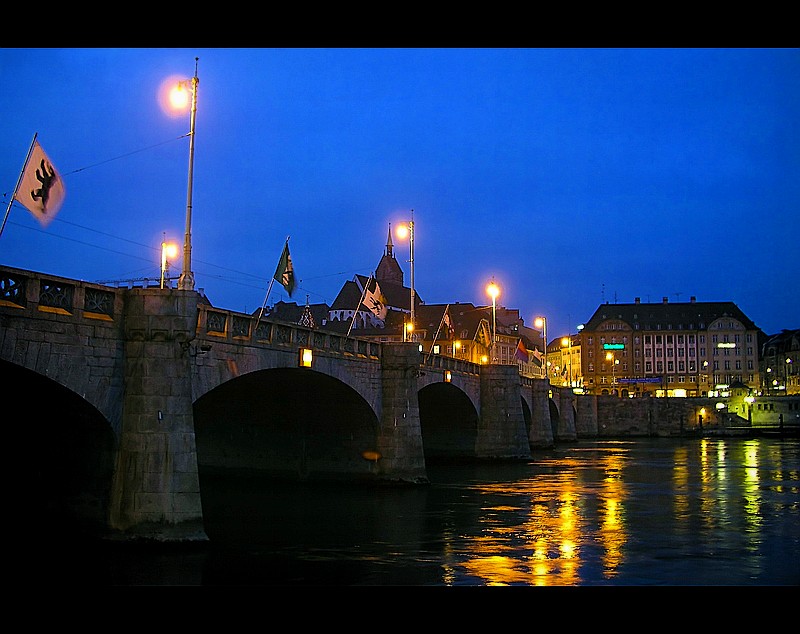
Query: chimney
637	300
665	300
692	299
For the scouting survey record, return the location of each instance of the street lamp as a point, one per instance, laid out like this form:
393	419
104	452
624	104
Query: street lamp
541	322
610	356
568	342
168	250
786	378
403	230
179	98
493	290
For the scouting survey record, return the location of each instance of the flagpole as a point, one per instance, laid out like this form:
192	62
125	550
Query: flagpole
361	301
186	280
438	330
19	180
271	282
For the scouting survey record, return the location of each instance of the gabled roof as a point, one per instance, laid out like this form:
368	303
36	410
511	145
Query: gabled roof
467	318
398	297
293	313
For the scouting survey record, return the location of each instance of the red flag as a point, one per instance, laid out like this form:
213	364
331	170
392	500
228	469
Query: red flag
521	353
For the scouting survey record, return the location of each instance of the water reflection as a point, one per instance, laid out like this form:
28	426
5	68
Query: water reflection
644	512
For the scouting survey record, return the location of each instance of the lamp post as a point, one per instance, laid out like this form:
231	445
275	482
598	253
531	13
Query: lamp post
168	250
568	342
610	356
402	230
493	290
541	322
786	378
186	280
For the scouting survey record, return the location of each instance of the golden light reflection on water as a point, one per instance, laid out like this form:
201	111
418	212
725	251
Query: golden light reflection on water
680	481
542	542
612	528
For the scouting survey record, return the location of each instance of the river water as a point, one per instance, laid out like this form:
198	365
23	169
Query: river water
643	512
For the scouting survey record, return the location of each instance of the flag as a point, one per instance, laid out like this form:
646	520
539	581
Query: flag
564	371
521	353
537	358
284	274
451	331
41	189
375	301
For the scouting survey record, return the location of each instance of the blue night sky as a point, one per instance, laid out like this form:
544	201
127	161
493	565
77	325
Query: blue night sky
573	177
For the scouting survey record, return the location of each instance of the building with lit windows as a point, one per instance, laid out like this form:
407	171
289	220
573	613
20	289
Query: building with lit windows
669	349
780	358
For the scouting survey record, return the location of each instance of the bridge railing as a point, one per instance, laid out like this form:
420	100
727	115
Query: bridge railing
37	292
215	324
443	362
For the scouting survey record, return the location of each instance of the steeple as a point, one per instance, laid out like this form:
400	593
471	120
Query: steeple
389	244
388	269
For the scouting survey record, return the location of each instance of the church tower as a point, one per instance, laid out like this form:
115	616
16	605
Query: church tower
388	269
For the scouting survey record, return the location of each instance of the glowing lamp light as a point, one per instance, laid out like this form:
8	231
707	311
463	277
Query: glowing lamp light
306	357
404	230
179	97
169	250
493	291
448	377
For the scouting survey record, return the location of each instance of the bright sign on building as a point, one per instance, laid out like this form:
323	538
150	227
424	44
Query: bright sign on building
613	346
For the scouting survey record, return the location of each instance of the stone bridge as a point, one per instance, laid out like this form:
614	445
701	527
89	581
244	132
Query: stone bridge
129	395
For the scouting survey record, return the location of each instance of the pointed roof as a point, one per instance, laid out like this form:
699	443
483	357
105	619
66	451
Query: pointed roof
388	268
398	297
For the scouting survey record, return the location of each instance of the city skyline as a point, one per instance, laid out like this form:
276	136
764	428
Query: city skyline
573	177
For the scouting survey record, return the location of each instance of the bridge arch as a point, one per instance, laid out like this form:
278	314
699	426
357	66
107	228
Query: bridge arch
73	447
289	422
448	422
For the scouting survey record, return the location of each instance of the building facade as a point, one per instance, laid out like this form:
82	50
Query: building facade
669	349
780	357
640	349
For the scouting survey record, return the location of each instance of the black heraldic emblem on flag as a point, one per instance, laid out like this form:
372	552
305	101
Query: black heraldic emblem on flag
41	188
47	177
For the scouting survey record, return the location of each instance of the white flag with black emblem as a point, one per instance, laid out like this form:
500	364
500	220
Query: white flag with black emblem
41	189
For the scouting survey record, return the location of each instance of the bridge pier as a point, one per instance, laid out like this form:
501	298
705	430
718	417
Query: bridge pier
402	456
155	491
501	425
541	433
564	399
